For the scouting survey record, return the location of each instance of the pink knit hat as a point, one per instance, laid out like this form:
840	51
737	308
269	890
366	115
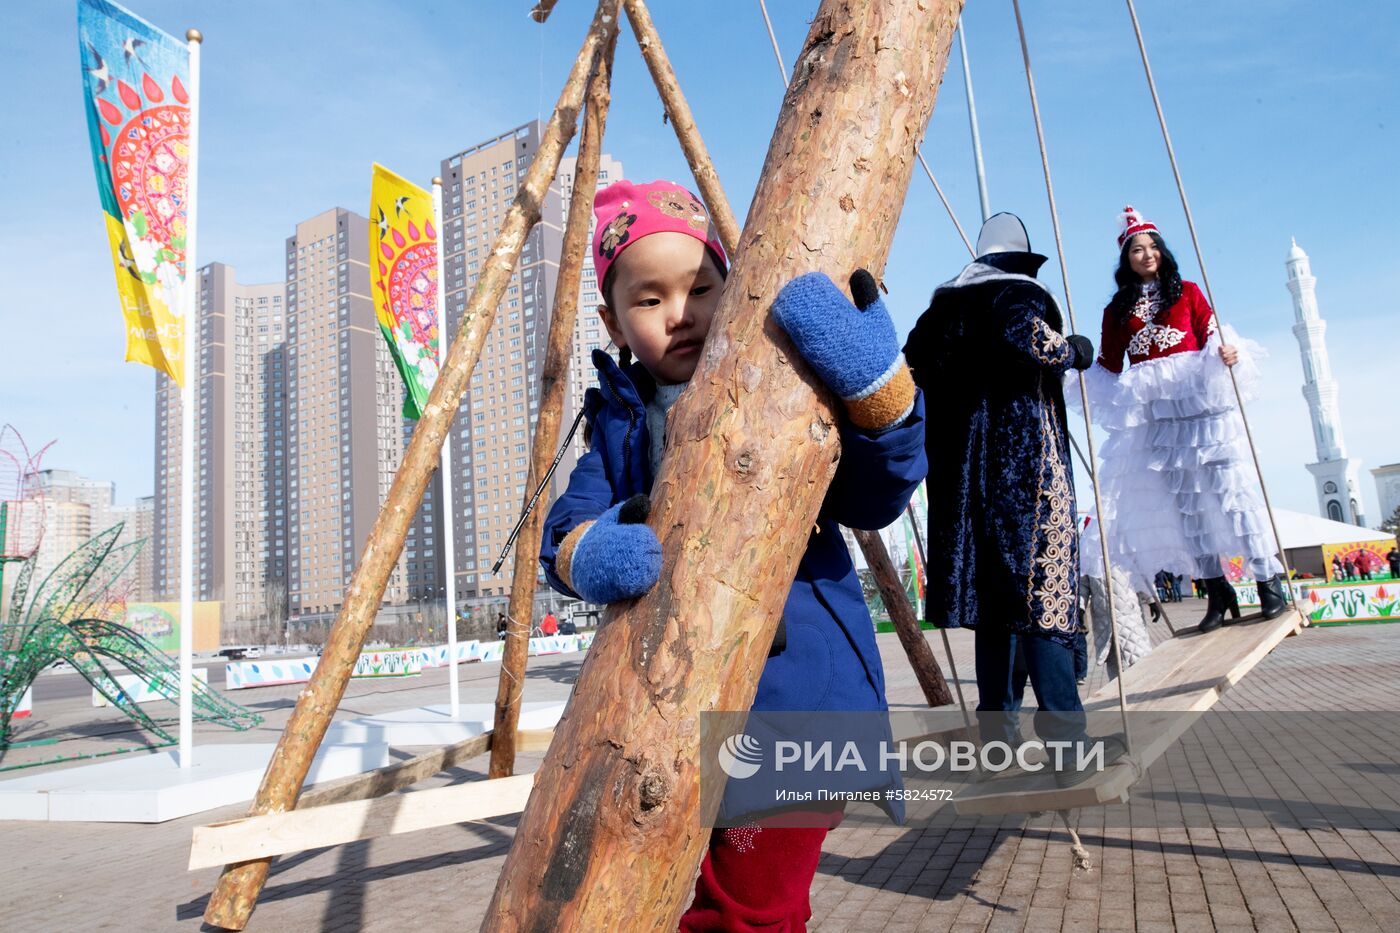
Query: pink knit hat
1131	223
625	212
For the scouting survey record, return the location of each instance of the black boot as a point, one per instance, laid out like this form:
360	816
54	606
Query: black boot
1231	601
1219	596
1271	601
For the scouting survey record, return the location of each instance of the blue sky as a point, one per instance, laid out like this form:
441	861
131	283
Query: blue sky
1284	127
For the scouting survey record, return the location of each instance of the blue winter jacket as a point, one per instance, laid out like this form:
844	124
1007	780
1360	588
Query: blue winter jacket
829	660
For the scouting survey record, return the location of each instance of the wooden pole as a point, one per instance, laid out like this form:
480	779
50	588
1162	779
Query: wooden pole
688	133
237	891
541	10
906	624
613	829
554	382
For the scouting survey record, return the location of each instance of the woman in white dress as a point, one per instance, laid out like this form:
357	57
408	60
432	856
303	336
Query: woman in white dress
1179	487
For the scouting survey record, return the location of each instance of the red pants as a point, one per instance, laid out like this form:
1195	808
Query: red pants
758	878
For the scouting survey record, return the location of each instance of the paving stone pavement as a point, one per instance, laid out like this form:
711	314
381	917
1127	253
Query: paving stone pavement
1280	813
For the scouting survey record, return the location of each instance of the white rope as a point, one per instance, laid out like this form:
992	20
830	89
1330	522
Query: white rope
1083	388
1210	296
1081	854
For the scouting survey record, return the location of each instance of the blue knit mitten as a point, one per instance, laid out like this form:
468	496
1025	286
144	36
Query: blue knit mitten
614	557
852	347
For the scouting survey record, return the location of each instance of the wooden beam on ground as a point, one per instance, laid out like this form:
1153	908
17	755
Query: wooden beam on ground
273	834
752	446
1167	692
233	899
906	624
554	384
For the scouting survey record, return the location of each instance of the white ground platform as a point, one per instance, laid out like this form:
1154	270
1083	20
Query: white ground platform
434	725
152	788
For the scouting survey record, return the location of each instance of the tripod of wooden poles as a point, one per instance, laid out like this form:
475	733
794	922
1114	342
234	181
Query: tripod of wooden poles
753	447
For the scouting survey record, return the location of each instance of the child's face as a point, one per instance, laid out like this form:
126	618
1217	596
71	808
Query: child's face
665	289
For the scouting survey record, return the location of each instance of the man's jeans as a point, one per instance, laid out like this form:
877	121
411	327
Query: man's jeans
1050	668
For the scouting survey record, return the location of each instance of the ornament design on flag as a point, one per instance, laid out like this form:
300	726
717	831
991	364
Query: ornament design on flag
149	160
410	281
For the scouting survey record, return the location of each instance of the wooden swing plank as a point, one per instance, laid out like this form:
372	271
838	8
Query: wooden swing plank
1166	692
318	822
261	837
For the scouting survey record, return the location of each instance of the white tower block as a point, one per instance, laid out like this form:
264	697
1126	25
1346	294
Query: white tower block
1335	474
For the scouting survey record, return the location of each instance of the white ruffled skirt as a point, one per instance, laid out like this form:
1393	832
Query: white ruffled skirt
1177	479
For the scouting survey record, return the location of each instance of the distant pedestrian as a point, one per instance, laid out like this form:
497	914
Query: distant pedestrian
1394	558
550	625
1349	567
1365	560
1338	571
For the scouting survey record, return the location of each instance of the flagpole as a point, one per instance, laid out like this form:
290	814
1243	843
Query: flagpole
446	523
189	399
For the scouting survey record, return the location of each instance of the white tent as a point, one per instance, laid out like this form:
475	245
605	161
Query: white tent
1300	530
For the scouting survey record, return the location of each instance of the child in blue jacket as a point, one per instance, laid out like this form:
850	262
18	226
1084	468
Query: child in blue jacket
662	269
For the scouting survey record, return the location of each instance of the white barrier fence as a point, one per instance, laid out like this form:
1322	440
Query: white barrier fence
396	662
138	690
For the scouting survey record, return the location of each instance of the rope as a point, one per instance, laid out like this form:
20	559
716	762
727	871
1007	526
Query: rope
1081	854
1083	388
782	71
1210	296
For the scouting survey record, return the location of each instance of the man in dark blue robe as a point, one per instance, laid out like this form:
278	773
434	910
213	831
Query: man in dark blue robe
990	354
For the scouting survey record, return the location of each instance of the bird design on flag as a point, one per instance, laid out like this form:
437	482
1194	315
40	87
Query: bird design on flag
101	74
399	205
129	50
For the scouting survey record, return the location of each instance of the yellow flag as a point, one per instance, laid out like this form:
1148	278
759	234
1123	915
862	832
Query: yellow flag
404	248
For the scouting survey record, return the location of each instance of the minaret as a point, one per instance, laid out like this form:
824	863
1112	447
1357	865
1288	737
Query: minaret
1336	474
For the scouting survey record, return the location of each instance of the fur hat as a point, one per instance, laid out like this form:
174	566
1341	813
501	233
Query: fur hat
1131	223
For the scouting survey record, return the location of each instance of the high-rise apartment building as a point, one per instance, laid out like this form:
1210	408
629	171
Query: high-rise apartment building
241	453
138	521
589	333
492	433
72	509
346	430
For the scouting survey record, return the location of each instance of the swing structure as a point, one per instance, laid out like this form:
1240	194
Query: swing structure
751	450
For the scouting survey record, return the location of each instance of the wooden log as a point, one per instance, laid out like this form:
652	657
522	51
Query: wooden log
541	10
678	110
554	383
752	446
233	899
702	168
273	834
906	625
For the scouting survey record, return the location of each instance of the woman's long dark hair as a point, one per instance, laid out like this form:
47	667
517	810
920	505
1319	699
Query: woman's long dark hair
1129	283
